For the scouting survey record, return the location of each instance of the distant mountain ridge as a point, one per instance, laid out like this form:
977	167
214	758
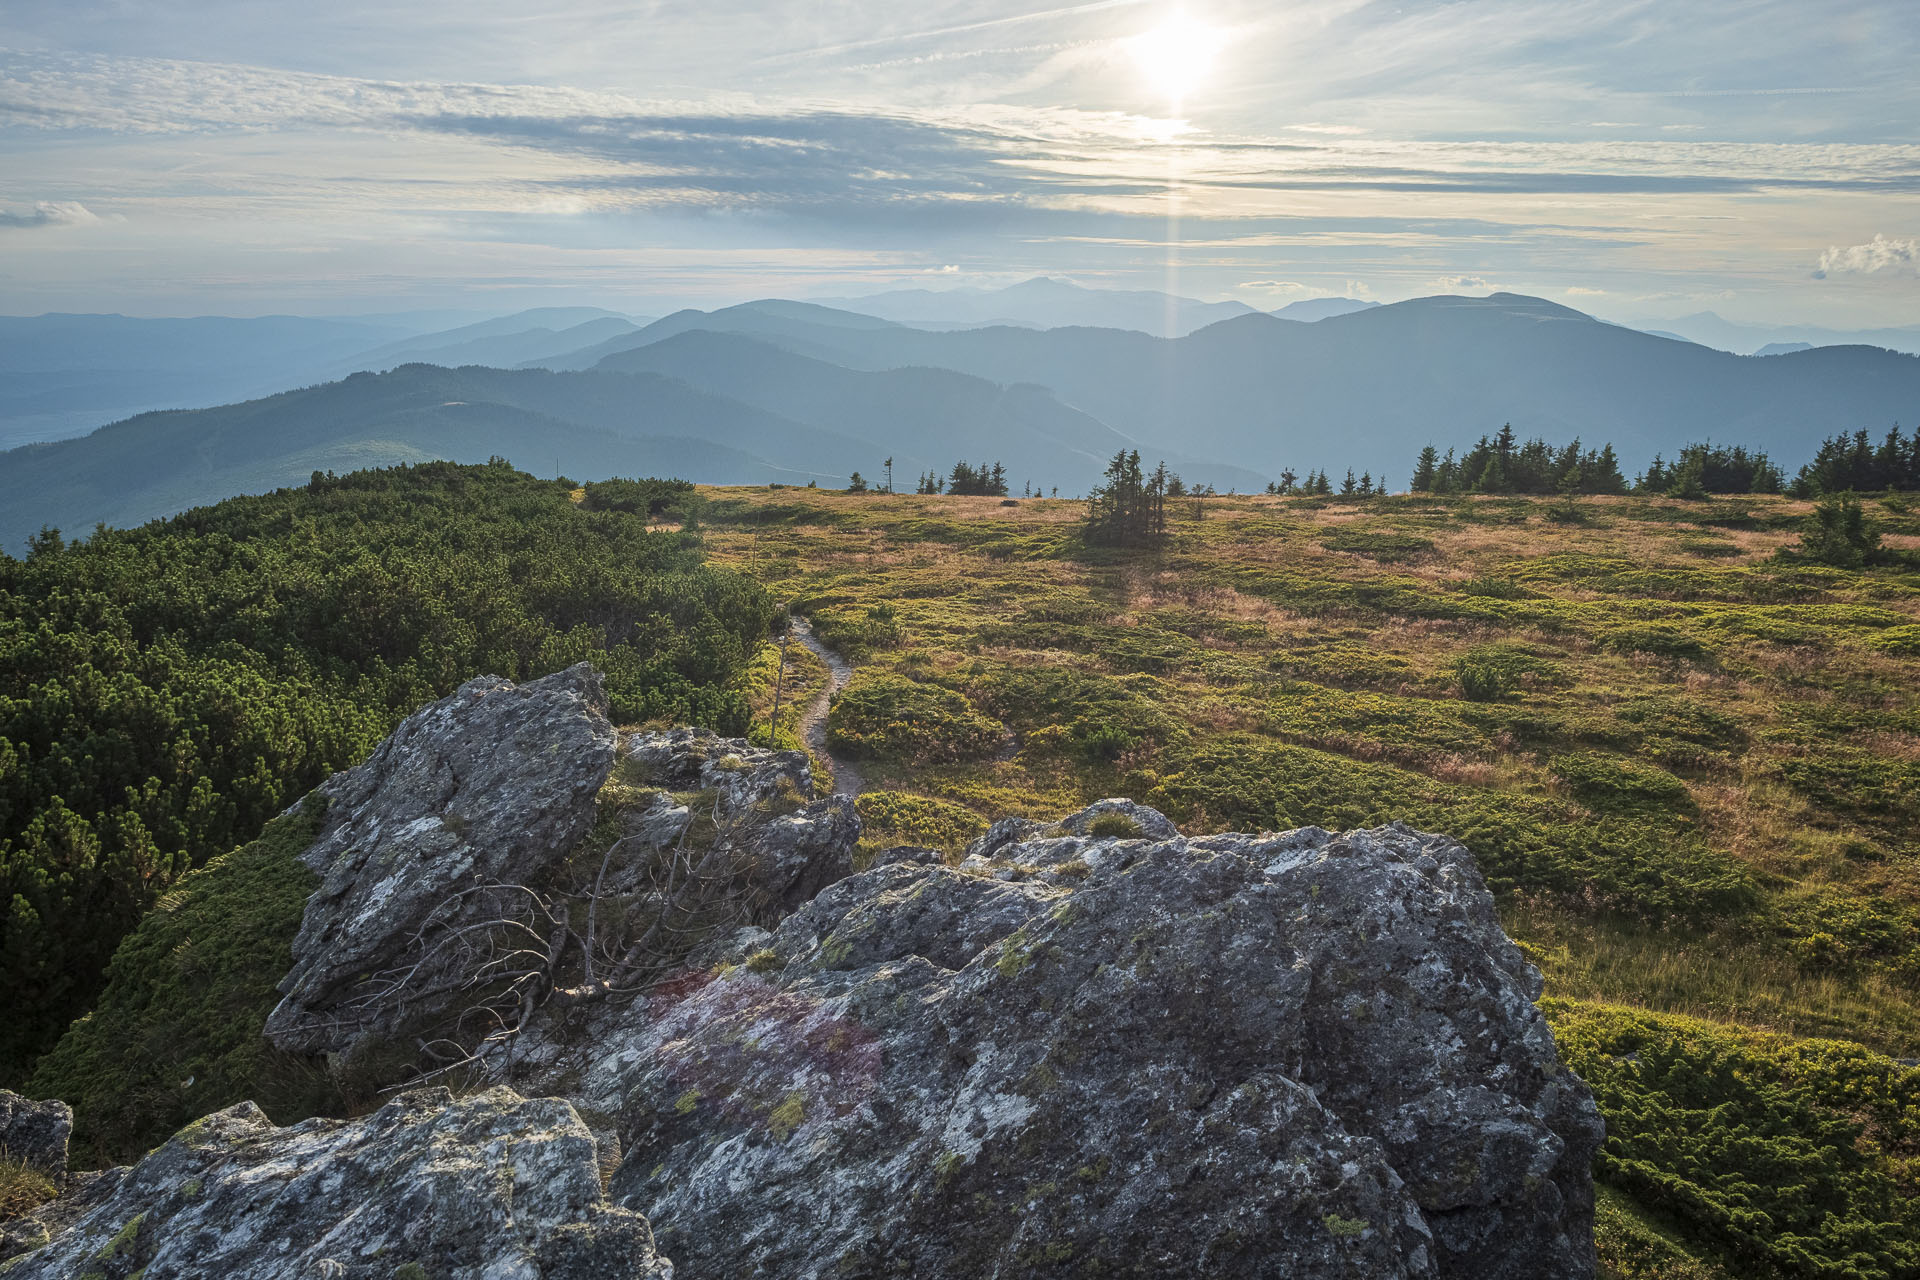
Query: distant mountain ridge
62	375
1313	310
927	417
716	408
1376	384
1748	339
790	390
1043	302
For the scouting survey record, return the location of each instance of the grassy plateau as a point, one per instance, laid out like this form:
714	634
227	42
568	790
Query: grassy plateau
1687	758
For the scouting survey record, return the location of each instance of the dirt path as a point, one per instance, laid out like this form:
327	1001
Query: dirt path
813	719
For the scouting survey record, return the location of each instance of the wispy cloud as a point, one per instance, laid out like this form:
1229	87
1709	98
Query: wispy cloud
1401	145
50	213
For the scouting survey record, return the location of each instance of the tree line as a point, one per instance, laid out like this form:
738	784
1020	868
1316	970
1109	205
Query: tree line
1854	464
165	690
986	481
1501	463
1846	463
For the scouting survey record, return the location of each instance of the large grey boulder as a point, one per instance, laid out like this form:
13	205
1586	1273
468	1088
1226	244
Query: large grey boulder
489	784
36	1133
1298	1055
492	1187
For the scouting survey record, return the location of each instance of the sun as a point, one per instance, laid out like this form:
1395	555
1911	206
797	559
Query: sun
1177	55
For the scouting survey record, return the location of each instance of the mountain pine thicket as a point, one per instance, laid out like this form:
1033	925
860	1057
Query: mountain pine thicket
166	690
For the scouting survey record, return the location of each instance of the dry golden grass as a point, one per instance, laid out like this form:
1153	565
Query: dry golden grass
1231	610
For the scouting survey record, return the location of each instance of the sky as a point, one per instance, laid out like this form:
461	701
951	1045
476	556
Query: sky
1638	160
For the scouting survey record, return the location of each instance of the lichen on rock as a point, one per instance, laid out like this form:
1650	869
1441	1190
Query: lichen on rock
489	784
1287	1055
491	1187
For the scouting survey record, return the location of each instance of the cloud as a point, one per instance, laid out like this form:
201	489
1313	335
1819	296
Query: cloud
1279	286
1882	253
51	213
1581	291
1460	282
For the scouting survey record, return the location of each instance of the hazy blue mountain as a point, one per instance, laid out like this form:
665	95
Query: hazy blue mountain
1044	303
586	425
803	327
501	341
1312	309
63	374
1369	388
1747	339
1783	348
529	348
926	418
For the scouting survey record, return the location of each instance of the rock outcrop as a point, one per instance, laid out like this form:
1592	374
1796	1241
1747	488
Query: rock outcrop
1093	1046
492	1187
489	784
36	1133
788	856
1295	1055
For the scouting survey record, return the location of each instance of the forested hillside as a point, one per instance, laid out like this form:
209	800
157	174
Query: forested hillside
165	690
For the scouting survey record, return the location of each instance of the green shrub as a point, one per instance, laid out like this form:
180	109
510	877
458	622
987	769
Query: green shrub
1344	662
177	1031
648	497
1680	732
1114	826
1879	792
1657	638
1711	548
1901	641
888	717
1490	672
1083	703
1104	743
1377	545
1494	587
1829	931
1621	785
1790	1157
1684	719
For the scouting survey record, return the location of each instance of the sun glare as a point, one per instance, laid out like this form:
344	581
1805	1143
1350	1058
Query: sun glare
1177	55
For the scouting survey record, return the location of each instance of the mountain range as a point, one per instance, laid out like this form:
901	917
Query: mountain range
1372	386
63	375
798	391
1043	303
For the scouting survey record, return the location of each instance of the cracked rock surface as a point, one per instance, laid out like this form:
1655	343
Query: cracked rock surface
1293	1055
491	1187
491	783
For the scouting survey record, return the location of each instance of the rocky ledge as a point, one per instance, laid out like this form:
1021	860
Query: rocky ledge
1089	1047
490	1187
1100	1048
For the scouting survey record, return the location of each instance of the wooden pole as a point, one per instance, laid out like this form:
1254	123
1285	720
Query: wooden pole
779	681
